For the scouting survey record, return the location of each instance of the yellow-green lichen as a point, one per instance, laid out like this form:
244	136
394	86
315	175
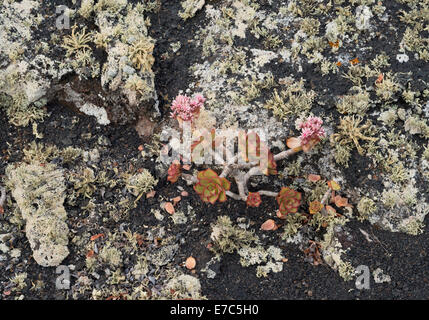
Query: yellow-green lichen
350	132
365	207
294	100
229	238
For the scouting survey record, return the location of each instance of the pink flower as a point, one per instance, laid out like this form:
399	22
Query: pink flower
187	108
311	129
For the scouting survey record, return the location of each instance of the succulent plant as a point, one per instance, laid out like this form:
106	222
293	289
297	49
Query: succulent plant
289	201
185	108
211	187
311	133
253	199
311	129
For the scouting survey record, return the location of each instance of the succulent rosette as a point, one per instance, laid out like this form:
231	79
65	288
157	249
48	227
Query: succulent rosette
211	187
253	199
289	201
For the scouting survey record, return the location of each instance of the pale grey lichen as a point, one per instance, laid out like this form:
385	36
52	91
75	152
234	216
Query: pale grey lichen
184	287
39	190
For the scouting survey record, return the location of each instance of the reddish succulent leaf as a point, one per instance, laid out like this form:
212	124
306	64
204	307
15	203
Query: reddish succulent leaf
293	143
341	202
169	208
174	171
313	177
308	146
190	263
268	225
176	200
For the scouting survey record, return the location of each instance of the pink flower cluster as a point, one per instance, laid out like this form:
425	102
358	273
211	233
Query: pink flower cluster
311	129
187	108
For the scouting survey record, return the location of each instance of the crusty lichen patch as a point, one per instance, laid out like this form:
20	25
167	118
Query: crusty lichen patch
39	190
228	238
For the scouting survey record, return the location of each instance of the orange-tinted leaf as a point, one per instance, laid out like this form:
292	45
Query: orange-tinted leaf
169	208
340	201
313	177
176	200
354	61
190	263
335	44
334	185
293	143
307	147
268	225
95	237
315	207
90	253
